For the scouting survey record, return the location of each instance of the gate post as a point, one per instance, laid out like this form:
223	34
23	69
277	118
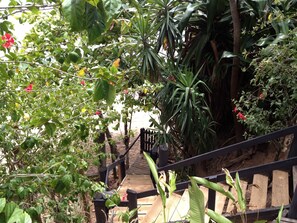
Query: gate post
101	211
132	199
163	155
293	149
142	130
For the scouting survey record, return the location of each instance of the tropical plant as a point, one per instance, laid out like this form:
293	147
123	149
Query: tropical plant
186	113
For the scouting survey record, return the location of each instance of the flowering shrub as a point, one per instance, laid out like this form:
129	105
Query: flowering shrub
271	103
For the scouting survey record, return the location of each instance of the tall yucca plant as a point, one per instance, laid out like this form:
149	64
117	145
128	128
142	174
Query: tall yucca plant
185	111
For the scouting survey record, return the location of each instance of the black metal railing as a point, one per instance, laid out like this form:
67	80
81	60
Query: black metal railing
247	172
147	140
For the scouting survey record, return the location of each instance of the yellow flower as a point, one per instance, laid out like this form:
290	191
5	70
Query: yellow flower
47	84
17	105
83	110
145	90
116	63
81	72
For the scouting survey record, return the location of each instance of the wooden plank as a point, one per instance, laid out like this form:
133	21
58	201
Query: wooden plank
182	208
221	199
154	212
259	192
230	206
171	204
280	188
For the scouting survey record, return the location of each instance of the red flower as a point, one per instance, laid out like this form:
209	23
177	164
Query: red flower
241	116
29	88
235	110
125	197
98	113
83	83
261	96
126	91
9	41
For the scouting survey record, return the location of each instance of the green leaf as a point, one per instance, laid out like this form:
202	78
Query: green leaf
16	215
217	217
229	179
279	216
104	90
213	186
109	203
93	2
241	199
112	7
152	166
172	182
25	218
9	209
67	180
50	128
110	94
95	20
196	211
74	13
2	204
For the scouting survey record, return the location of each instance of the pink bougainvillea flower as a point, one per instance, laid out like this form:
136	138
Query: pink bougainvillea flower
98	113
9	41
235	110
83	83
241	116
126	91
29	88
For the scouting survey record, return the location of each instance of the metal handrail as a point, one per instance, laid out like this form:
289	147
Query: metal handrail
227	149
119	160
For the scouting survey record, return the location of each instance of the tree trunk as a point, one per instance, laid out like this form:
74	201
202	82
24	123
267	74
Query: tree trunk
101	149
126	141
113	149
236	64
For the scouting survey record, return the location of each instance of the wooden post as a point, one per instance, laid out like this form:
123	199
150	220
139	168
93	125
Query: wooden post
101	211
212	195
293	207
102	174
132	198
122	167
142	140
293	149
163	155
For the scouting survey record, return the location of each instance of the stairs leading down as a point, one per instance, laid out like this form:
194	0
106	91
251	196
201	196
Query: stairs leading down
261	192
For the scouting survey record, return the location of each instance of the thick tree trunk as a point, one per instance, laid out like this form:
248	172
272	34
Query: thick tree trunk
236	64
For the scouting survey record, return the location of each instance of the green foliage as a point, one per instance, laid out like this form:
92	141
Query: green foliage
196	213
11	213
186	112
74	12
270	104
